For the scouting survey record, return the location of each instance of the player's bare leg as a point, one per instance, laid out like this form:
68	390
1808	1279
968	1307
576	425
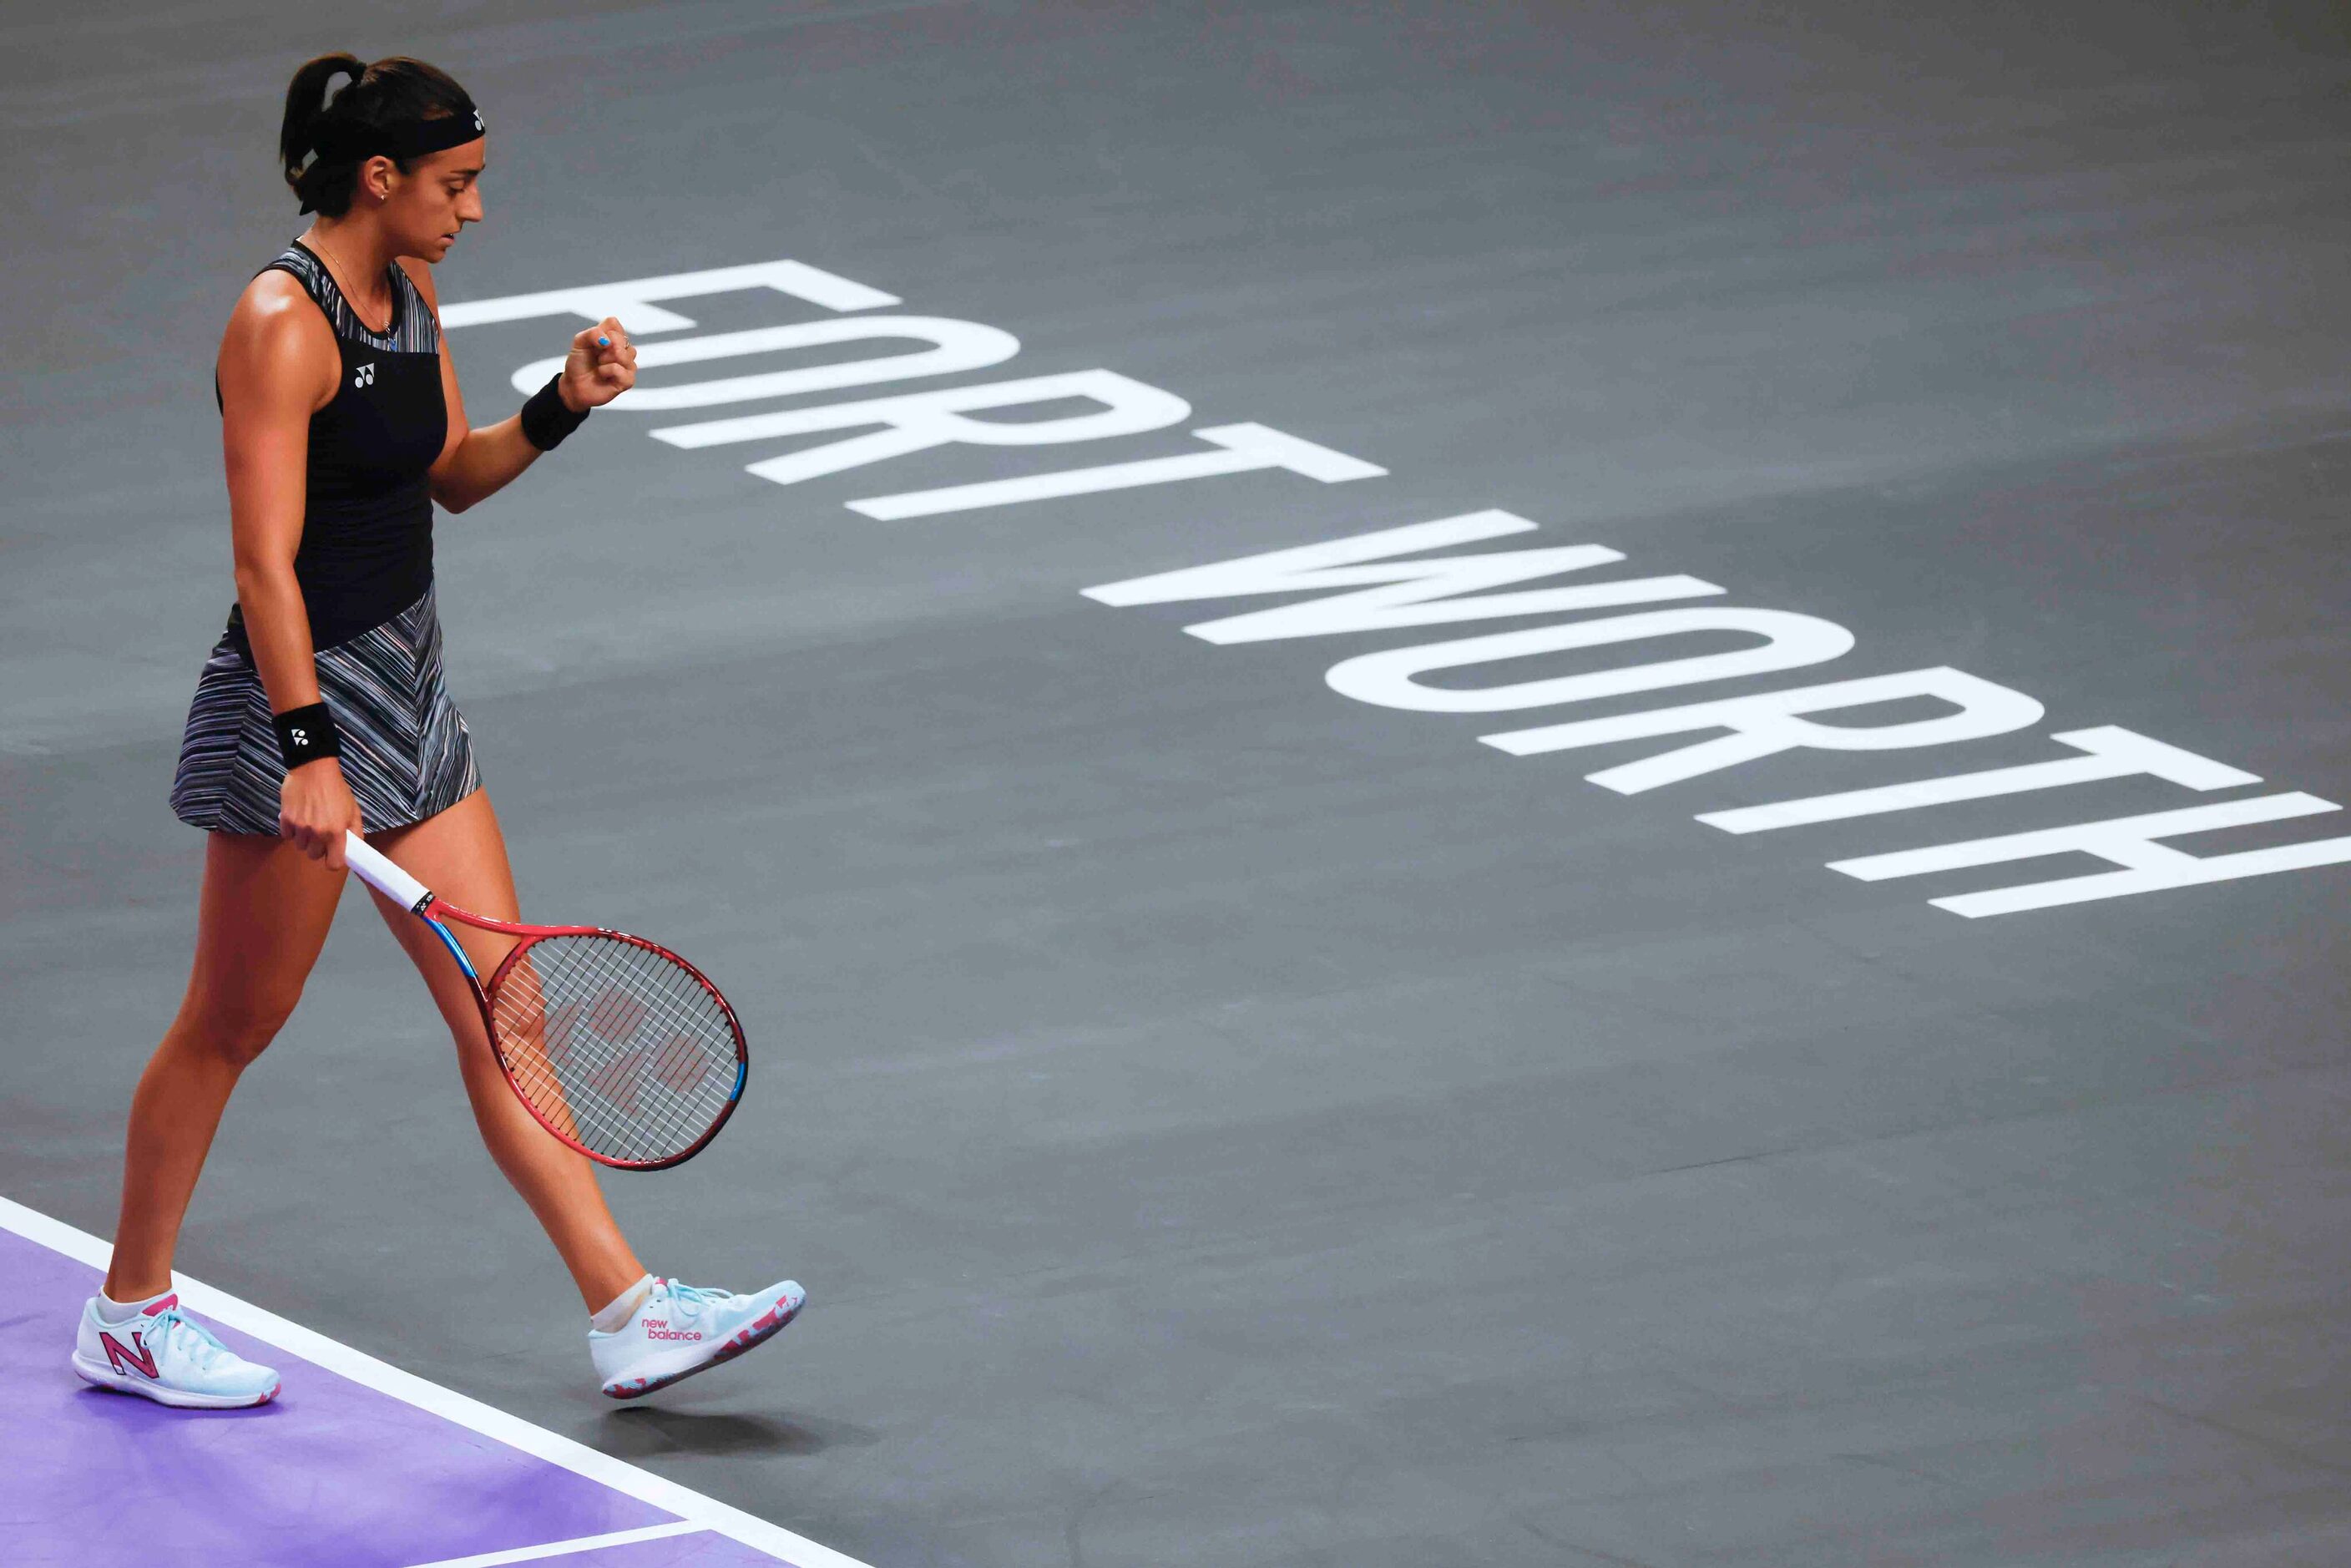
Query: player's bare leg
262	917
460	855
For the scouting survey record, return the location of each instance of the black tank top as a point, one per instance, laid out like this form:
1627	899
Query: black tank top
367	518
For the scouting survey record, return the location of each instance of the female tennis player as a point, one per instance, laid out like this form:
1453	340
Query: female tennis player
322	708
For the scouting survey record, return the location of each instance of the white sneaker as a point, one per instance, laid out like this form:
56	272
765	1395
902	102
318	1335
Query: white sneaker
171	1358
678	1330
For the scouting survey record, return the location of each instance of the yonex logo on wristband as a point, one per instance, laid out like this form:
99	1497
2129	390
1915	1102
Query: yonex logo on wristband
306	734
366	376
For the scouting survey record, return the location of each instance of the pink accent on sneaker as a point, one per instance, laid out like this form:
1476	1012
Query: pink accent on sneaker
766	1323
164	1305
138	1358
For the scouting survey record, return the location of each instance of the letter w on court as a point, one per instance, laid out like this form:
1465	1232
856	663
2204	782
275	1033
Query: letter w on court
1394	593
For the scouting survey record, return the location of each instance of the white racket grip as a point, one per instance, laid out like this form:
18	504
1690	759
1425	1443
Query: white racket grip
380	874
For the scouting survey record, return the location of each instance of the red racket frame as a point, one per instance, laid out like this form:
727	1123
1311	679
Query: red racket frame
531	935
378	872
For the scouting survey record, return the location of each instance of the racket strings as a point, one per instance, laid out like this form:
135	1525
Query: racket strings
619	1047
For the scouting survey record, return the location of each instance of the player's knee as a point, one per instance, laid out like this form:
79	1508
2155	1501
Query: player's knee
239	1029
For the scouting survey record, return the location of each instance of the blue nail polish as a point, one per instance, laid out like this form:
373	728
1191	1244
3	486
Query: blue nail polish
604	343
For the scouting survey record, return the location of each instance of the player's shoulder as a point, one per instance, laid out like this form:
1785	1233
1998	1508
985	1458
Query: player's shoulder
278	338
274	292
276	312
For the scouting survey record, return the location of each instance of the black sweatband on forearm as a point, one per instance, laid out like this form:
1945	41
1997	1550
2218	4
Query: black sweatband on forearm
305	734
544	421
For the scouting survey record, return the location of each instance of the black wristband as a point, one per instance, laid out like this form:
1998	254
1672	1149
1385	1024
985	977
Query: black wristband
305	734
544	421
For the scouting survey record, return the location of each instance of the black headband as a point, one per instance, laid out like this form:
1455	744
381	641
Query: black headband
342	141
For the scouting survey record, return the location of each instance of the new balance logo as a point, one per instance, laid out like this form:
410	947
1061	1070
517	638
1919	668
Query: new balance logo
366	376
658	1328
141	1359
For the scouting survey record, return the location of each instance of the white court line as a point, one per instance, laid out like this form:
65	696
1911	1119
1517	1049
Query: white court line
566	1548
361	1368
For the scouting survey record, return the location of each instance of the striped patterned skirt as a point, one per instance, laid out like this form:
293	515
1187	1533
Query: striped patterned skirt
406	754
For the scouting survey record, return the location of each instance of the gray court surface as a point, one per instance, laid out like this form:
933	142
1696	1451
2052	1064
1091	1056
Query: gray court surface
1219	1121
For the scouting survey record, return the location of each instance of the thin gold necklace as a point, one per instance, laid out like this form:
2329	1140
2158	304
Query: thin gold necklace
344	288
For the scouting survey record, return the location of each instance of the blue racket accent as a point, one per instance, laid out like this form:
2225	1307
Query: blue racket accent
742	1072
456	952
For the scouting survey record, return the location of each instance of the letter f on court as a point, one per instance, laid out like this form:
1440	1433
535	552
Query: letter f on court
140	1358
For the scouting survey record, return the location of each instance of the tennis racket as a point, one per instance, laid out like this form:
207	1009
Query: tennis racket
621	1048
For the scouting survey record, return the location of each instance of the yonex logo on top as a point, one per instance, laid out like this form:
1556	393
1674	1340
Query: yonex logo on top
301	737
366	376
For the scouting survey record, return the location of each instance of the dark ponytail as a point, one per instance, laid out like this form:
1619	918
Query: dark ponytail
305	105
389	92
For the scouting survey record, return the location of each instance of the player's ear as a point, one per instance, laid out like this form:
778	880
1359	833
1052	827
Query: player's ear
375	177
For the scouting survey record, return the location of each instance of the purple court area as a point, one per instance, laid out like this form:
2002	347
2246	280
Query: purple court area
332	1472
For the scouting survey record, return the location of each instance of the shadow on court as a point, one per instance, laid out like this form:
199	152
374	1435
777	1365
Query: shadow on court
649	1429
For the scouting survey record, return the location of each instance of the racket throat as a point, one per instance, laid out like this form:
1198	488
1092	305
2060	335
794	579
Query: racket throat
449	940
